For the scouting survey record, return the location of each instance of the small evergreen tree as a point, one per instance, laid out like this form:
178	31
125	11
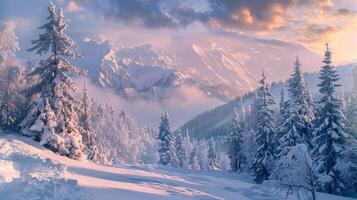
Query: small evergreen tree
329	136
300	101
264	156
89	136
13	104
295	125
180	150
193	162
282	104
187	147
235	142
8	41
166	143
212	156
293	173
202	154
46	123
289	129
352	108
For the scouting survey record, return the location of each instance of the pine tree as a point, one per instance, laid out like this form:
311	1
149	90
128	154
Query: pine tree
89	137
202	154
8	41
46	124
180	150
187	146
289	129
352	108
212	156
13	104
295	125
235	142
329	136
300	98
282	104
264	156
293	173
166	143
279	129
193	162
55	85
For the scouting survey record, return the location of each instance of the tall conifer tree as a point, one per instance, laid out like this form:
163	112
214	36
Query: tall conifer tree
330	138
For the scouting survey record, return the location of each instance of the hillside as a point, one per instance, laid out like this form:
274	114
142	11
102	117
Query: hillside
29	171
216	121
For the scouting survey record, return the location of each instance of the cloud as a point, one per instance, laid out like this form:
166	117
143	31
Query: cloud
344	12
219	14
72	6
184	103
316	33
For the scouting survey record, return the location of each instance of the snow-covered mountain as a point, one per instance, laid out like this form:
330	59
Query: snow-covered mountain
131	72
218	70
217	121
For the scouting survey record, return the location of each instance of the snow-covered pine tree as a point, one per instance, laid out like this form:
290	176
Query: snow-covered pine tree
13	104
88	136
235	142
166	143
264	156
295	125
202	154
187	146
56	86
180	150
293	174
279	129
329	135
149	153
46	123
212	156
193	162
282	104
300	97
352	108
289	128
8	41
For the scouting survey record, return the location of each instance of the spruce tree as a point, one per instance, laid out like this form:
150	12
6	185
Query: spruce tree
300	97
193	162
290	129
56	86
330	139
264	156
180	150
8	42
46	123
212	156
12	82
352	108
166	143
282	104
89	136
235	142
295	126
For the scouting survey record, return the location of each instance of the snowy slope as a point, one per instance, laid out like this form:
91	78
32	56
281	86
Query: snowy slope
28	171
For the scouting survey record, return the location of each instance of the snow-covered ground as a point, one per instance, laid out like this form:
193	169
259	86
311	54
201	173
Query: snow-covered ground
29	171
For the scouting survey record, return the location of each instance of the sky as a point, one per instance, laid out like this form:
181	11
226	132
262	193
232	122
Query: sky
310	23
165	24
